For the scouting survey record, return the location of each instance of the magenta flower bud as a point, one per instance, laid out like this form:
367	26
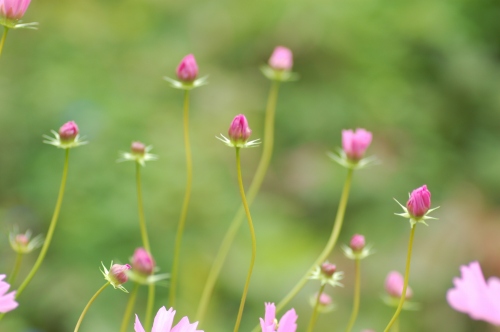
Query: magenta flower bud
419	202
138	148
187	70
239	131
118	273
357	242
394	284
355	143
328	268
143	262
324	299
281	59
13	9
68	131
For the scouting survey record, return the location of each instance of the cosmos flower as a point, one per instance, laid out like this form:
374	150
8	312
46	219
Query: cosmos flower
164	320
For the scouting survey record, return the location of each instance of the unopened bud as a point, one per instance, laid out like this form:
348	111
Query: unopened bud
419	202
239	131
328	268
187	70
357	242
118	274
142	262
281	59
394	284
68	132
355	143
138	148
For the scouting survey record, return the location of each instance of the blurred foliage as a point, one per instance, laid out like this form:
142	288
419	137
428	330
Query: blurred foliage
423	76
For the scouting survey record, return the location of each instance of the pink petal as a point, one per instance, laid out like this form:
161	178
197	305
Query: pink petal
137	325
163	320
287	322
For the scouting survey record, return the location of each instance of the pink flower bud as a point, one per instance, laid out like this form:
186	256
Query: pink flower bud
419	202
239	131
324	299
281	59
142	262
138	148
187	70
13	9
394	285
68	131
355	143
328	268
357	242
21	239
118	274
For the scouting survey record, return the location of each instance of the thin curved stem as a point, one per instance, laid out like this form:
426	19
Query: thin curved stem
267	151
129	308
357	292
15	270
339	219
395	327
407	274
142	220
150	305
254	241
314	315
52	228
185	204
4	37
88	306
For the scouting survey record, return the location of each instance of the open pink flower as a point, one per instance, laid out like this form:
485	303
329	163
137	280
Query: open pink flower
13	9
164	320
7	302
474	296
286	323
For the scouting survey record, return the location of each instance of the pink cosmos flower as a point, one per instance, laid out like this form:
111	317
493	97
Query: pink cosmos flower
187	70
419	202
286	323
281	59
394	284
7	302
164	320
13	9
239	131
474	296
355	143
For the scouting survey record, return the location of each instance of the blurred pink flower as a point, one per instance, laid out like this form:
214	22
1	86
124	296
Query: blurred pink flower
394	285
281	59
474	296
355	143
164	320
7	302
13	9
286	323
143	262
187	70
419	202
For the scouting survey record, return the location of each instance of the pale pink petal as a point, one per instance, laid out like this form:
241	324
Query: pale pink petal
7	301
137	325
185	326
287	322
266	327
270	313
163	320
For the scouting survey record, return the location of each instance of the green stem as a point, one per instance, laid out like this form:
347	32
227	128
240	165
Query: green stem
4	36
357	292
329	246
15	270
267	151
142	220
395	327
254	241
314	315
150	305
407	274
52	227
88	306
185	204
129	308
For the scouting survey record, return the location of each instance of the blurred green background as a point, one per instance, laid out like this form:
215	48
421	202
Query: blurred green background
423	76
